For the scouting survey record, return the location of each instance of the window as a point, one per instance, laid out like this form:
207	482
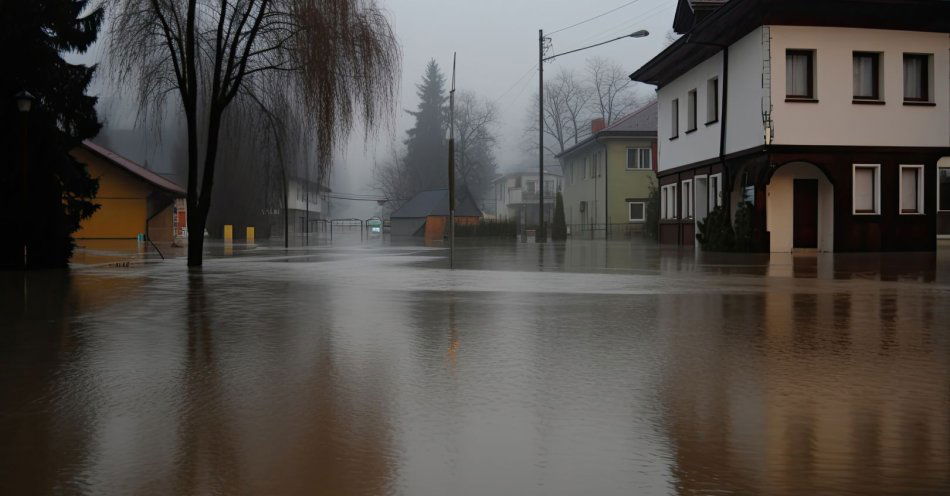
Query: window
691	111
675	108
943	189
668	201
664	213
916	77
867	189
549	186
867	76
715	190
912	189
529	186
712	101
639	158
687	207
637	211
800	74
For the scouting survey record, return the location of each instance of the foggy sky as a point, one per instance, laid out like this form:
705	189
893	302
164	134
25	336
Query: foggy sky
497	44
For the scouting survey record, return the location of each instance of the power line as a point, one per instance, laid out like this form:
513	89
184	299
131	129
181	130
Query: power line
520	79
592	18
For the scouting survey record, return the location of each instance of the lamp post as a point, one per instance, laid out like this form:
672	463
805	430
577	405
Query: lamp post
24	103
541	235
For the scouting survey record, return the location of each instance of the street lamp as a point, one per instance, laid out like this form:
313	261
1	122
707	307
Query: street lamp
541	235
24	102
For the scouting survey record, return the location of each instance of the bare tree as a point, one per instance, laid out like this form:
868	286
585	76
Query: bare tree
334	60
475	149
613	93
566	99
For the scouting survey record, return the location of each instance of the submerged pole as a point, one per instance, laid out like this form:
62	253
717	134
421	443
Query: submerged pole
452	169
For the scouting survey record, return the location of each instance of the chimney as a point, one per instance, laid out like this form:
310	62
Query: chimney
597	125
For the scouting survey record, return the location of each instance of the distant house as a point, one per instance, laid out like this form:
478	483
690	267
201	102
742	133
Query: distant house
607	177
427	214
134	200
516	194
307	200
830	118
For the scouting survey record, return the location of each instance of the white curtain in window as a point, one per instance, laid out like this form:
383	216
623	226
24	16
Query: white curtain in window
913	74
864	189
864	76
663	207
909	183
796	74
646	158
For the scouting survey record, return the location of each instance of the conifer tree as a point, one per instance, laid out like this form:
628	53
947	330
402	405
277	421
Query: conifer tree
59	189
426	147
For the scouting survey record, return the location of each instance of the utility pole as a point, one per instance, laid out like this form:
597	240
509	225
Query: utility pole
540	236
452	169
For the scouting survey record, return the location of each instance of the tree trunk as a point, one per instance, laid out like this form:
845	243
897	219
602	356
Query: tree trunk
196	235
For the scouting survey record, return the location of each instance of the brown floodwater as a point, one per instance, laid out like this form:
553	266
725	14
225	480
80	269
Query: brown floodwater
586	368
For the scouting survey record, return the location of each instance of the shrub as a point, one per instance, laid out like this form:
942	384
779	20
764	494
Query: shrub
487	228
652	223
716	233
743	228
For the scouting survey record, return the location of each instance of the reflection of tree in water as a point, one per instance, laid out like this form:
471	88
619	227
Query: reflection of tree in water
273	429
807	393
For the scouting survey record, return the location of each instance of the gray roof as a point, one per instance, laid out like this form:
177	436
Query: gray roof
641	123
436	202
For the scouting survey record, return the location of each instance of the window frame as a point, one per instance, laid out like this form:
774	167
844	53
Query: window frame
687	198
875	75
691	111
712	101
924	79
810	70
920	190
938	188
636	153
643	206
877	189
675	123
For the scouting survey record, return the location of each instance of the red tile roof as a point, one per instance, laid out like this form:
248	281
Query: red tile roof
141	172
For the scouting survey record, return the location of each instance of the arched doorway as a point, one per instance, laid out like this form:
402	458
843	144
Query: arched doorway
800	209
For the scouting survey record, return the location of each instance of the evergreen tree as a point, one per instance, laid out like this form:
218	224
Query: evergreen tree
558	224
59	189
426	159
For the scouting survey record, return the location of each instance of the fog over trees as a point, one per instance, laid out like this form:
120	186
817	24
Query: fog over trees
423	163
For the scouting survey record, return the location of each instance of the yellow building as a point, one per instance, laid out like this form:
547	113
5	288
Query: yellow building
134	200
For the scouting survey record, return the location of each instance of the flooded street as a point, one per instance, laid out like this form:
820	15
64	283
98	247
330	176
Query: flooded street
586	368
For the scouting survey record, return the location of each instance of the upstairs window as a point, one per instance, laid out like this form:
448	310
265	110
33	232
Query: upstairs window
916	77
691	111
867	76
529	186
867	189
800	74
675	122
912	188
712	100
639	158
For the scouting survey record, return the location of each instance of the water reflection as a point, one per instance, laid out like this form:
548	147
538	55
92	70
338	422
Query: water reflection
373	370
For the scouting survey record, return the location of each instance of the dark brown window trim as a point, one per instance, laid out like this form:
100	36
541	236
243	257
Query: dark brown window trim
674	137
810	68
914	103
801	100
710	123
875	74
693	130
857	101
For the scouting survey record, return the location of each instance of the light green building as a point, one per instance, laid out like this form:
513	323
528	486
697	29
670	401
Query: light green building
607	177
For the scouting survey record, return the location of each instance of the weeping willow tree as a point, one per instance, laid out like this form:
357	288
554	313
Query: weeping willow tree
332	63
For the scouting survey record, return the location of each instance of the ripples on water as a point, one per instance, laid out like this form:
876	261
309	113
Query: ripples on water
614	370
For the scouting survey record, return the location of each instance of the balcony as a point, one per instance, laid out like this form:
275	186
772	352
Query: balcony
519	196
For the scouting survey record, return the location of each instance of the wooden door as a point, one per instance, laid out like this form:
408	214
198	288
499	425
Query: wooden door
805	214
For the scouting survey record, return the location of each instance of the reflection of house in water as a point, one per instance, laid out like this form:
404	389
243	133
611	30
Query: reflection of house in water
787	392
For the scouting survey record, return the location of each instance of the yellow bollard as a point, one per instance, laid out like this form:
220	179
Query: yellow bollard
250	235
228	232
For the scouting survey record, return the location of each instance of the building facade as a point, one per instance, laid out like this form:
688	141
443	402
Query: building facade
134	201
831	121
608	176
517	195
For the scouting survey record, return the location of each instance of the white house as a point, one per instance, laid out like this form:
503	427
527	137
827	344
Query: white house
517	194
831	117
